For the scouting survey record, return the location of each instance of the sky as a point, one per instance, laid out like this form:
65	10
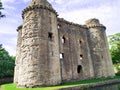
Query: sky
78	11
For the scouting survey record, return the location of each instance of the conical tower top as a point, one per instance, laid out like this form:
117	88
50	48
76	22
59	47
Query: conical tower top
40	3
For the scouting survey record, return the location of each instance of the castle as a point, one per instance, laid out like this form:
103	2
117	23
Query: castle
51	50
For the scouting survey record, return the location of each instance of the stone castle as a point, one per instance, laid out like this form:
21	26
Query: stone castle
51	50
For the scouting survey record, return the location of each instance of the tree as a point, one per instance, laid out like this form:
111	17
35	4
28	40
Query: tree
7	63
114	42
1	7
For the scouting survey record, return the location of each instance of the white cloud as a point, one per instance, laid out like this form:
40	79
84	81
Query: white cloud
78	11
79	15
106	12
59	1
8	1
10	48
25	1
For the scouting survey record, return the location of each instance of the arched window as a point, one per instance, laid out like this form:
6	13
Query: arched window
79	68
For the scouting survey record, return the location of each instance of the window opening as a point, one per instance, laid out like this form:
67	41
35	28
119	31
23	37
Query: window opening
58	26
79	68
63	39
50	36
61	55
80	41
102	56
81	56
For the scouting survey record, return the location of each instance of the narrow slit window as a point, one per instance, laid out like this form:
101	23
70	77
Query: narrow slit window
79	68
61	55
50	36
80	41
63	39
102	57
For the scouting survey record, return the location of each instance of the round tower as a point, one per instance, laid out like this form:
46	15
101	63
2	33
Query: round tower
99	49
40	64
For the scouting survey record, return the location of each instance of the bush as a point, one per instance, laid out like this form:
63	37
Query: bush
7	63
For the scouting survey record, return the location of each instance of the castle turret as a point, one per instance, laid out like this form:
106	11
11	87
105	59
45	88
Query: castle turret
99	50
39	58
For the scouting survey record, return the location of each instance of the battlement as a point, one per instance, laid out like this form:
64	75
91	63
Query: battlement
71	23
92	23
39	4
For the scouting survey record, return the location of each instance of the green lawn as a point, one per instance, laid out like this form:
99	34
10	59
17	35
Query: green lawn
64	85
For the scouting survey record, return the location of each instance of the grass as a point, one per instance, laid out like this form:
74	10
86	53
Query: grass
63	85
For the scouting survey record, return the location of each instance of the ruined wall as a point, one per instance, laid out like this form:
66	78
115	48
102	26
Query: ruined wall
51	50
75	58
99	50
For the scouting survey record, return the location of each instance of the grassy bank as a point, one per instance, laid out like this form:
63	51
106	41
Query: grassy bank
64	85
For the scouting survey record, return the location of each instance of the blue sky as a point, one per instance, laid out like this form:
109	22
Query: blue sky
78	11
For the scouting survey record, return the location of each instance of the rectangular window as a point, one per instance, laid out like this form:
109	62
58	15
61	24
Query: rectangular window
50	36
61	55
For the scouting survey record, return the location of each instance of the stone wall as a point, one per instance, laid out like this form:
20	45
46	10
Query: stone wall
51	50
75	58
99	49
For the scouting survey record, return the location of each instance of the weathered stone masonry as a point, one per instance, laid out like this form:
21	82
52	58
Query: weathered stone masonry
51	50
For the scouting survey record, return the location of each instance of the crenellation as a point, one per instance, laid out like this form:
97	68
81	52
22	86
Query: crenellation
71	23
94	23
34	7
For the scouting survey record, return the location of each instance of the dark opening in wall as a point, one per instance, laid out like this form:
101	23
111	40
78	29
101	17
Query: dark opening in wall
81	56
80	41
63	39
50	36
102	57
79	68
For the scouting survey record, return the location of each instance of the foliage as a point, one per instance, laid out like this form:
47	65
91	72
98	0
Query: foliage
64	85
1	7
114	42
6	63
117	68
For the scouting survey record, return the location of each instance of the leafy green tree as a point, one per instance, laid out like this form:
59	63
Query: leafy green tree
7	63
1	7
114	42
